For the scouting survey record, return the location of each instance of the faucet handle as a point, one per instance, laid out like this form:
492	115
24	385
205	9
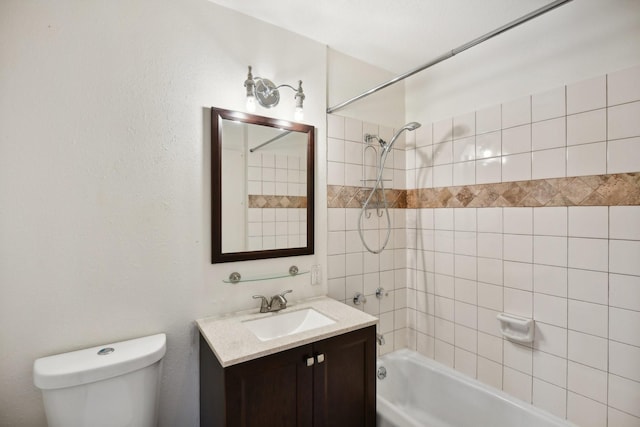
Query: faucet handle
265	304
284	293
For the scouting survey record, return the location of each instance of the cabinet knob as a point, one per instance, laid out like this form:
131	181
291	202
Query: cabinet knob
310	361
320	358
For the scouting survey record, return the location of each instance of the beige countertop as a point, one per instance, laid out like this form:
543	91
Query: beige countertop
233	343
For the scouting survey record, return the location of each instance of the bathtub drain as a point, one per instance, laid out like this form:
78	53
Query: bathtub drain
382	373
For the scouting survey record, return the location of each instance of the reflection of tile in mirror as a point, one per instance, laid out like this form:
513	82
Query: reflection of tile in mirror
282	242
268	188
268	174
294	162
268	160
255	243
281	215
269	242
268	214
293	176
281	175
281	161
254	187
268	228
254	159
255	229
254	173
254	215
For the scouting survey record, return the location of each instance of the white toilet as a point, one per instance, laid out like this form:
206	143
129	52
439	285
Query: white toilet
113	385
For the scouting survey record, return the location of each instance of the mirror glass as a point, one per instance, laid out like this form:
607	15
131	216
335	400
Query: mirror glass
262	187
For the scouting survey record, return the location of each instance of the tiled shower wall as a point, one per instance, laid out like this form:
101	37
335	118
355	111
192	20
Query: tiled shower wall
575	269
351	268
588	128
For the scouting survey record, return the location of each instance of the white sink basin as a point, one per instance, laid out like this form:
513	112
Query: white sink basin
283	324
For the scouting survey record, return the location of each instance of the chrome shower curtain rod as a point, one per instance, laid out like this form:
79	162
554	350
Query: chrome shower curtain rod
529	16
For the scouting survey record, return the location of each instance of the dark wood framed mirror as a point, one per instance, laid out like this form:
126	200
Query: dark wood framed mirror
262	187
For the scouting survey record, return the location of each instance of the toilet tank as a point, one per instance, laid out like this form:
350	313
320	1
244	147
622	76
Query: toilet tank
112	385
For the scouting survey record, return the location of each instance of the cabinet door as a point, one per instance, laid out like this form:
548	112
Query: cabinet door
345	382
275	390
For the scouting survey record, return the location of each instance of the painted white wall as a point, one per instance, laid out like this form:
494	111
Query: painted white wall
349	77
105	180
582	39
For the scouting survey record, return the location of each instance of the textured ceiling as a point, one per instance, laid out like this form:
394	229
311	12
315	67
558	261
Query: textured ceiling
396	35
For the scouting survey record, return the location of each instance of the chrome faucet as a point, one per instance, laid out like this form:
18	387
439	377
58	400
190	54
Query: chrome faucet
277	302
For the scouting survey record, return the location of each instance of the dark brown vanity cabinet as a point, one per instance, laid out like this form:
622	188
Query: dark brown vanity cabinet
327	383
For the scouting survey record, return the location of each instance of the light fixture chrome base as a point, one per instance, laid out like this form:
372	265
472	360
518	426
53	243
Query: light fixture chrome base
267	93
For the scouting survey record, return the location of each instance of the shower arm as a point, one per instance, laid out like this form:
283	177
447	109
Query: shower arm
529	16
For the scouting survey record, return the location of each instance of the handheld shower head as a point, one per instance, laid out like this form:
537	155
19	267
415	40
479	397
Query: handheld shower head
378	187
409	126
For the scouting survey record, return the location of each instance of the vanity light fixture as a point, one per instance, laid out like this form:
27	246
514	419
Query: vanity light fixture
268	94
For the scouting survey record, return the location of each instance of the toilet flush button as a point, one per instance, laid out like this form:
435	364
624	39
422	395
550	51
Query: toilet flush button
105	351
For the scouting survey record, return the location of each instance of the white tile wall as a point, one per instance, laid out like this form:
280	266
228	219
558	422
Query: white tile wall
549	134
623	86
550	280
550	368
516	112
516	140
623	155
548	105
587	128
587	159
587	315
585	412
488	170
464	125
622	121
516	167
584	128
548	163
575	270
587	95
549	397
443	131
517	384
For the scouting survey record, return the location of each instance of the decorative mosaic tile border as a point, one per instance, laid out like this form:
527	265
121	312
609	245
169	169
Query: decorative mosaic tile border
353	197
594	190
277	201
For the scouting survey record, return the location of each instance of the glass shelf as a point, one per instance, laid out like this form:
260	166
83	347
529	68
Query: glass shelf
237	278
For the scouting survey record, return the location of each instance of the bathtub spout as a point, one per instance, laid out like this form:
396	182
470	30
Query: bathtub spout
380	339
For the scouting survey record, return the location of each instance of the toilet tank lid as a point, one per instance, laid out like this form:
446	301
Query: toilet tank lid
86	366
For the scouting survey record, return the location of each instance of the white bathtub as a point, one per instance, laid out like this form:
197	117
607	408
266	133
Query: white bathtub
419	392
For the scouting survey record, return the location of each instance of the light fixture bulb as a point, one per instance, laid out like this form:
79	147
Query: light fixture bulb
251	104
298	115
